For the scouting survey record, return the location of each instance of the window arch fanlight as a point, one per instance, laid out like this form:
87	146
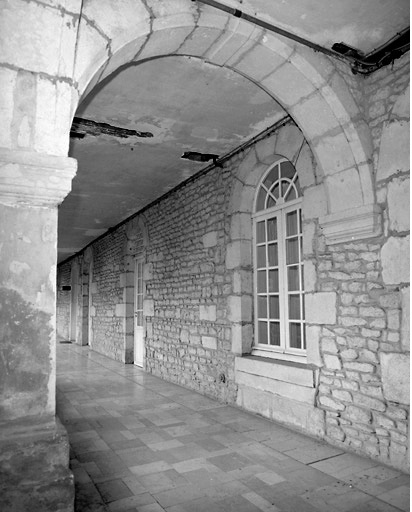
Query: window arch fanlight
278	264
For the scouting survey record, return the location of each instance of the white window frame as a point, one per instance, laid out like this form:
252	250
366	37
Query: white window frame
284	351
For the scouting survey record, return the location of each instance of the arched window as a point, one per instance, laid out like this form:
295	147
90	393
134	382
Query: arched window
278	266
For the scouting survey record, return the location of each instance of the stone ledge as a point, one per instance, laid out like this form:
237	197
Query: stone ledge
292	372
276	387
35	179
354	224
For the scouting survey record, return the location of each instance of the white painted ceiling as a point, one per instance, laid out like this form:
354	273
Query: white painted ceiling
189	105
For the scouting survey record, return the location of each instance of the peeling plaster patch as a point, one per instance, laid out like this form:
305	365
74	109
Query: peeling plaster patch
205	132
17	267
82	127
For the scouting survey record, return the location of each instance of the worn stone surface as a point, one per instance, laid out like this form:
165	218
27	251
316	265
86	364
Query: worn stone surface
34	464
395	260
321	308
398	204
396	377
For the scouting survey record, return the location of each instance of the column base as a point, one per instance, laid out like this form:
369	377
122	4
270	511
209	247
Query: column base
34	468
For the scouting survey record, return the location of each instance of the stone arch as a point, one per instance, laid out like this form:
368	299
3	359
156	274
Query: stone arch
288	142
320	102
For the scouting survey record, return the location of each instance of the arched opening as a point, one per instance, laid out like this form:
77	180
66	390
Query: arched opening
320	102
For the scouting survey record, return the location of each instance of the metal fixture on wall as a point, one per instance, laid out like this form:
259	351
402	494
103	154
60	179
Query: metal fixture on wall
359	62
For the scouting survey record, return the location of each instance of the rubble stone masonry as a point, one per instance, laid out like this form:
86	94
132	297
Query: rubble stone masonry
198	307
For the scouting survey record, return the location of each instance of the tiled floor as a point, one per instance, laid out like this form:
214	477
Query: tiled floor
142	444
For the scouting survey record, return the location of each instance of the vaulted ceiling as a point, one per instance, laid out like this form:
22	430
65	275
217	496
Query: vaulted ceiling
187	105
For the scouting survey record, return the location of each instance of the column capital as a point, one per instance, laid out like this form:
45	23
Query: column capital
34	179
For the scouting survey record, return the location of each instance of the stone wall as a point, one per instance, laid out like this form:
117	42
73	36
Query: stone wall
188	331
364	409
106	295
353	389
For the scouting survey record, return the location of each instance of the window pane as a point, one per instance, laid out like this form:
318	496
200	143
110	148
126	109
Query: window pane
291	194
287	170
285	186
262	307
263	333
271	202
260	232
275	190
272	177
293	279
273	280
139	301
272	229
295	340
261	256
260	203
294	307
273	255
274	307
261	281
292	223
275	333
139	318
292	251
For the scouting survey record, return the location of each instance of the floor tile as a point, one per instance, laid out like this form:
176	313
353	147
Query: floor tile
139	444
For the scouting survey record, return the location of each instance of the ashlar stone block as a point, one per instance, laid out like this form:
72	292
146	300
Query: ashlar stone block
315	202
406	319
240	308
321	308
395	261
312	342
395	370
310	276
241	226
238	254
305	167
209	342
210	239
207	313
148	307
394	151
399	204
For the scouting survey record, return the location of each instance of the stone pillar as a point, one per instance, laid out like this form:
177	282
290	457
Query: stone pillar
34	451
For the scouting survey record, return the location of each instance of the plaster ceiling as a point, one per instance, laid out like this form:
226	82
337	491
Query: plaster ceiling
189	105
362	24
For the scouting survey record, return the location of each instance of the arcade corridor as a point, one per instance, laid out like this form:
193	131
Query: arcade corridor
139	443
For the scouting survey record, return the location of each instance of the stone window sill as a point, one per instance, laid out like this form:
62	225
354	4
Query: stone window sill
290	379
